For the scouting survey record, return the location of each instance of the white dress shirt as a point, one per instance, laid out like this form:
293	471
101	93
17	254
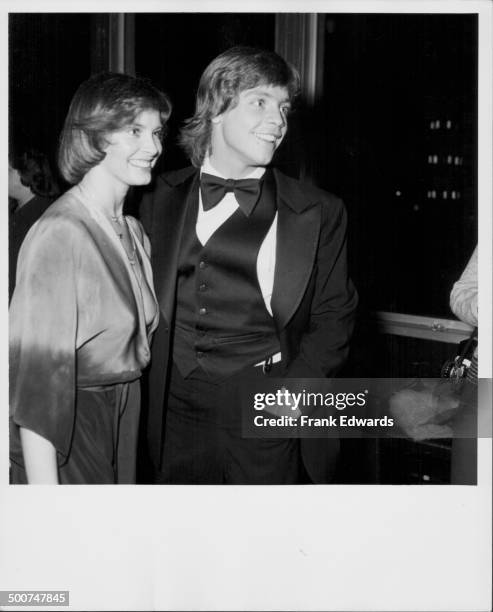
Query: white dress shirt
209	221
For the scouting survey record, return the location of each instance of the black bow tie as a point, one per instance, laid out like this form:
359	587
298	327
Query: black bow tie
214	188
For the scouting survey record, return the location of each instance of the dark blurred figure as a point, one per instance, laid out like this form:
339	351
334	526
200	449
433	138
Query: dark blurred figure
32	188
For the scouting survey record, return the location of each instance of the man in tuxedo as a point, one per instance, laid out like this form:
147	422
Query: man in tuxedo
251	277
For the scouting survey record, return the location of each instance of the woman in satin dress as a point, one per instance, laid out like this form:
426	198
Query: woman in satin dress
84	309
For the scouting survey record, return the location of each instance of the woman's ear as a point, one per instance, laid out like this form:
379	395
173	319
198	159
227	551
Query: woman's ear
217	119
105	141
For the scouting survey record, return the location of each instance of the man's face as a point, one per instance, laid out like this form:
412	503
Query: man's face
246	136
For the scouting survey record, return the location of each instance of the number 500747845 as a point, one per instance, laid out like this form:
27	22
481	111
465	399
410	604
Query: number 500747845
34	598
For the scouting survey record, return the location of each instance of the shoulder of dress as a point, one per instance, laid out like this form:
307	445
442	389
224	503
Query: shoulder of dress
65	218
66	205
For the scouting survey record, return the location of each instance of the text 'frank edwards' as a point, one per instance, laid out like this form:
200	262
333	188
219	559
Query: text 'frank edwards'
277	404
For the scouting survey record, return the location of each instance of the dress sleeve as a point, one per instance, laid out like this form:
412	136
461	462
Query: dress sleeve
43	328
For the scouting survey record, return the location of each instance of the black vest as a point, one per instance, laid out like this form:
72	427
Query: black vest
222	324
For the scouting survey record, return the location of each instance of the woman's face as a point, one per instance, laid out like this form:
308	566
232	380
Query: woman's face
132	151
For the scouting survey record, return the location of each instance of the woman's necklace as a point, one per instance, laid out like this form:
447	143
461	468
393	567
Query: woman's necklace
120	225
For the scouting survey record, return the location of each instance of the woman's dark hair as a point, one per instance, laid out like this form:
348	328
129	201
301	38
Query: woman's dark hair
105	103
34	171
229	74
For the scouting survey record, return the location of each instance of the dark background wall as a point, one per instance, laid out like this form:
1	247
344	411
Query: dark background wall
388	78
49	55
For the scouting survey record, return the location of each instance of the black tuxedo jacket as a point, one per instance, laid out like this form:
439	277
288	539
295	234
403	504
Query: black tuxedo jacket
313	300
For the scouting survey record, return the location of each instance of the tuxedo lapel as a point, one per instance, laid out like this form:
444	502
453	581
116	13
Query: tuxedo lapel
167	231
298	228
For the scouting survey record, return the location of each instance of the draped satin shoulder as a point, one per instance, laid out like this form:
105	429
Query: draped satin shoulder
77	319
